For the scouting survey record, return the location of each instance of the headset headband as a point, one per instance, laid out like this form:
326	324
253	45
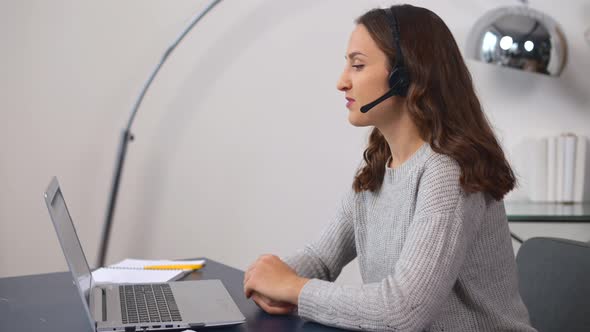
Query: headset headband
395	30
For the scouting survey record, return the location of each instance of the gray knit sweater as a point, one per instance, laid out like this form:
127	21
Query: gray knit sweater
431	257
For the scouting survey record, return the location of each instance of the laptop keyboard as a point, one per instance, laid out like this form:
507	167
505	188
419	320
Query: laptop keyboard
148	303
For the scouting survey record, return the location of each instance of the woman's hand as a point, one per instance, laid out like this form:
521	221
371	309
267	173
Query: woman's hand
272	307
270	278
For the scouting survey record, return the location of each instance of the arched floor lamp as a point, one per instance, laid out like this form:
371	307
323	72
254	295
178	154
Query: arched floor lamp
518	37
127	136
521	38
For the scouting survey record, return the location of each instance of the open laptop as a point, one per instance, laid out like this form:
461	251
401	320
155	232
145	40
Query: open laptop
138	307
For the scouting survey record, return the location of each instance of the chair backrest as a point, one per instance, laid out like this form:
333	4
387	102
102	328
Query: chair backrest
554	281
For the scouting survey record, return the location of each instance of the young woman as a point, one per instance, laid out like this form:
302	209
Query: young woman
425	215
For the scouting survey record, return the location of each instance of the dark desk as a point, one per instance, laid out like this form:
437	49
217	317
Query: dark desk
49	302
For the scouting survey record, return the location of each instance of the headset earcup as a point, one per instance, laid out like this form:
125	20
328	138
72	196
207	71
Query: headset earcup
393	76
399	81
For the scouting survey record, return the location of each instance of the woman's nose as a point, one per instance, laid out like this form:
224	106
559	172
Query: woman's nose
343	83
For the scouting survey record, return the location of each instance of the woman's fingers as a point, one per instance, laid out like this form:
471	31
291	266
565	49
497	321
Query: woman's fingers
271	277
249	272
247	277
265	304
248	289
270	302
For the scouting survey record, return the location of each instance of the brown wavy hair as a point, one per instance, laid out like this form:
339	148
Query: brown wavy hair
441	102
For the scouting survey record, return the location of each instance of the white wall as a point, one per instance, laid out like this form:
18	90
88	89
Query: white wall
243	145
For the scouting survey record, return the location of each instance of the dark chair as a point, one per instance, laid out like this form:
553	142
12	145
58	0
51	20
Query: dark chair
554	280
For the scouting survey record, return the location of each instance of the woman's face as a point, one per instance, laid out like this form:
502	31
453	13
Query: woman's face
364	79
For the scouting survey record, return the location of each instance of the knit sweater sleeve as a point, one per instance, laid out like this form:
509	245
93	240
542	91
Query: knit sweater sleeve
442	228
325	258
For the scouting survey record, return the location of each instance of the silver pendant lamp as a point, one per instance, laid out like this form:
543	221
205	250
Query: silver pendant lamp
518	37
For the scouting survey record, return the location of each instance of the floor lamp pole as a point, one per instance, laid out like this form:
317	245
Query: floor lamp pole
127	137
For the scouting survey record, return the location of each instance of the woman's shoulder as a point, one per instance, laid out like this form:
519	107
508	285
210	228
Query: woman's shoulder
438	161
439	188
440	169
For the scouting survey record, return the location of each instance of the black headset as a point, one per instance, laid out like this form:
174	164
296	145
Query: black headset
399	79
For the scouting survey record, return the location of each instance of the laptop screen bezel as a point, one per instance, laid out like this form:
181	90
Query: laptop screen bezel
52	193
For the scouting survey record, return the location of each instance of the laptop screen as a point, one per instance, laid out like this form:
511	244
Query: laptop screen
68	239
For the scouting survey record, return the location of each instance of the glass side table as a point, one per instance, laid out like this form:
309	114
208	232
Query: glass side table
549	212
525	211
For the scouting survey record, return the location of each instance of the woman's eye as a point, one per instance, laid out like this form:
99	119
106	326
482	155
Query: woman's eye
358	67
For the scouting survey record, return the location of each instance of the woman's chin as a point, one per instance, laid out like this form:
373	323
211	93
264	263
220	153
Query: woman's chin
356	119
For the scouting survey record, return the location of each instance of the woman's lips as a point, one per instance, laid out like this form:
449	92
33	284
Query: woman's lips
350	101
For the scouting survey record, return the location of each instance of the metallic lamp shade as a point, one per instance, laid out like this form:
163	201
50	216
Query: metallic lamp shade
518	37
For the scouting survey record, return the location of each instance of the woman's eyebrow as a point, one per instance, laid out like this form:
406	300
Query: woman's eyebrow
354	54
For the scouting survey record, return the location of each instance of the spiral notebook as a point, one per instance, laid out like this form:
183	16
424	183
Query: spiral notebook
132	271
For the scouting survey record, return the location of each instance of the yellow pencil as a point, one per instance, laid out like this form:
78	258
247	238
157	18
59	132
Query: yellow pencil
174	267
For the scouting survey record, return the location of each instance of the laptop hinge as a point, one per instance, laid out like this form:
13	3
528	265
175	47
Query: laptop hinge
98	304
104	305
